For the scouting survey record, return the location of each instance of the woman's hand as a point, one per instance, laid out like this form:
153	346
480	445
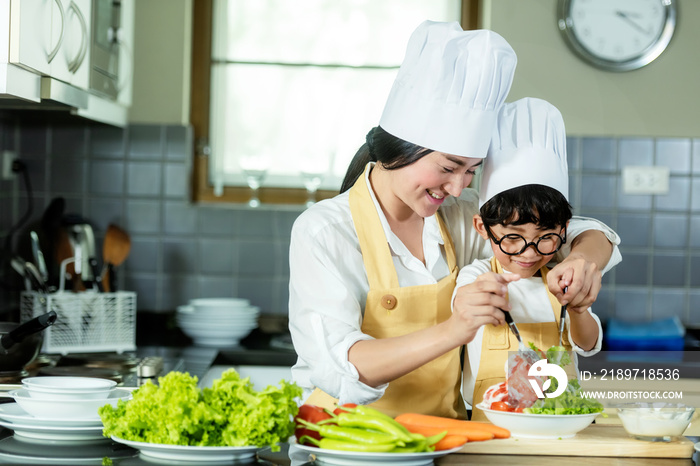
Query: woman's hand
480	303
583	279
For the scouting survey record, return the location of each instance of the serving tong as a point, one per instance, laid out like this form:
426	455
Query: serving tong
562	317
527	353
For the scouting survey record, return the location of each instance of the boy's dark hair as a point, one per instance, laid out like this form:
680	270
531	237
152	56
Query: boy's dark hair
533	203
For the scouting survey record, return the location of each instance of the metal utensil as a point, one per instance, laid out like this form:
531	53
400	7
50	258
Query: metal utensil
526	352
39	256
562	317
35	277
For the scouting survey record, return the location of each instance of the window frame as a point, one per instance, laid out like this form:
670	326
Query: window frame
202	189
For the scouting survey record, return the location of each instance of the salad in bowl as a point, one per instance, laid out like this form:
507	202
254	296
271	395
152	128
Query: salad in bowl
514	404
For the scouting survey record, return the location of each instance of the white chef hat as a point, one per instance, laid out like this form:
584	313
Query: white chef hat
449	89
528	147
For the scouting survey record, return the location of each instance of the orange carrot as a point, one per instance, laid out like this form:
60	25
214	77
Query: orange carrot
472	435
450	441
449	424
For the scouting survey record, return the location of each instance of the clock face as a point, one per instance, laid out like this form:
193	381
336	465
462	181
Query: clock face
618	35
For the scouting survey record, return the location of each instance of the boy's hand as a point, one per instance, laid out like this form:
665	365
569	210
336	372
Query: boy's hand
583	279
480	303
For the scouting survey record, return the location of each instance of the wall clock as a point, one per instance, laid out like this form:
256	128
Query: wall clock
617	35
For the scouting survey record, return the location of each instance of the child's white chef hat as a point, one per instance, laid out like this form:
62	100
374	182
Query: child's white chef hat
528	147
449	89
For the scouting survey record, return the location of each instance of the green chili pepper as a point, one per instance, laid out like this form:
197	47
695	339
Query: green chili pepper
387	426
351	434
417	446
333	444
433	439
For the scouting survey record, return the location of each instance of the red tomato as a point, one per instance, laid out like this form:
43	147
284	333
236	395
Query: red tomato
313	414
340	410
501	406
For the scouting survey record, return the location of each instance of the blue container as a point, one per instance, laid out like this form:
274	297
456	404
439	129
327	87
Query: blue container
660	335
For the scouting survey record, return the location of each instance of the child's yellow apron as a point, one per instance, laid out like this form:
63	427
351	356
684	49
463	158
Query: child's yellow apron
498	341
392	311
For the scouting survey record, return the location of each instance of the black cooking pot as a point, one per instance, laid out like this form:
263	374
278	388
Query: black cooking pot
20	343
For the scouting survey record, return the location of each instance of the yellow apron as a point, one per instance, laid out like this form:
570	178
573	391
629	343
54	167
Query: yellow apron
498	341
392	311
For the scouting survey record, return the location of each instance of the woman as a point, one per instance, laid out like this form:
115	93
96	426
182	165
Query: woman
372	270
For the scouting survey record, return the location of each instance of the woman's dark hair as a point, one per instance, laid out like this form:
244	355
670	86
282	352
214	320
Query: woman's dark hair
533	203
383	147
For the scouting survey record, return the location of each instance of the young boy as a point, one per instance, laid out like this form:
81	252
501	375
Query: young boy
524	212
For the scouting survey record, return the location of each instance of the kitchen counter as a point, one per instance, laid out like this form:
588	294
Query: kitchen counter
282	459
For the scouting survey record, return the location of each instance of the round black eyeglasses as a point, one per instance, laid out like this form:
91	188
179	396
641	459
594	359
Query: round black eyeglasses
513	244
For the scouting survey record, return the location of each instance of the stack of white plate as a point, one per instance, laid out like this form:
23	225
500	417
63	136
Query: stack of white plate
217	322
60	408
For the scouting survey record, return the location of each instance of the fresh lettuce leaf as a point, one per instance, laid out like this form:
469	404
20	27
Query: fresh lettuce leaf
569	402
230	413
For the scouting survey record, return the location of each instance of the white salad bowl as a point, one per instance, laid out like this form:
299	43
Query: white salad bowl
544	426
68	388
67	409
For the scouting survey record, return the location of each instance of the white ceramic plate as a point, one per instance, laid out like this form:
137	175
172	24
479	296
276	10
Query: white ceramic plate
54	432
546	426
198	455
348	458
217	303
237	319
36	451
216	342
203	324
12	412
67	409
234	334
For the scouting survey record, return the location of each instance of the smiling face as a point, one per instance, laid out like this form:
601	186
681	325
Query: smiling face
527	263
424	185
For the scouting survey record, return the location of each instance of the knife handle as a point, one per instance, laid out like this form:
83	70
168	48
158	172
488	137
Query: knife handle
511	324
562	316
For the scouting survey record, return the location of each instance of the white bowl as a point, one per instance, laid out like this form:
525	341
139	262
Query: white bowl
68	388
68	409
545	426
199	333
219	304
223	326
58	383
67	394
656	422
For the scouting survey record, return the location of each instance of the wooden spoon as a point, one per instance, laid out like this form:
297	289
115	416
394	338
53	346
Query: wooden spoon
115	250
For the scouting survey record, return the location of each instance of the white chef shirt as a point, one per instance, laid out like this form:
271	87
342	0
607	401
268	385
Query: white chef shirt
328	284
529	304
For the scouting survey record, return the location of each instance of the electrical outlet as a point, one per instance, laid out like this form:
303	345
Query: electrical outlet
7	158
645	180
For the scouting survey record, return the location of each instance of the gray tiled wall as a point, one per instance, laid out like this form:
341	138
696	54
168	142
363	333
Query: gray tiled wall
139	178
660	272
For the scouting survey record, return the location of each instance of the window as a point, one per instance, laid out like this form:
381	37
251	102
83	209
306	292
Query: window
284	91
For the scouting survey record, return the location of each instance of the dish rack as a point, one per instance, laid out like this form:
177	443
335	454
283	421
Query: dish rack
87	321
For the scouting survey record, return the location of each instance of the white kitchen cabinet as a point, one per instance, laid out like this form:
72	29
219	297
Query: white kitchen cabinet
52	38
32	42
126	53
72	62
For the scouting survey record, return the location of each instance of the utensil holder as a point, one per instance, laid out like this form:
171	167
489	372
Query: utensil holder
87	321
